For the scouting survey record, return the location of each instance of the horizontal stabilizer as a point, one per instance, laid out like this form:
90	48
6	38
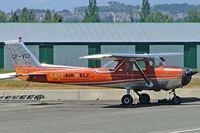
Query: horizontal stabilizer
14	75
8	76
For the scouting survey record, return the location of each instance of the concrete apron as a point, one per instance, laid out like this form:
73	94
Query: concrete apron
97	94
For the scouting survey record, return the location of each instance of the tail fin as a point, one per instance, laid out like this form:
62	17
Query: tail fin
20	54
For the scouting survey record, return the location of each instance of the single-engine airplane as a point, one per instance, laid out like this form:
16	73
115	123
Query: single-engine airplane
135	72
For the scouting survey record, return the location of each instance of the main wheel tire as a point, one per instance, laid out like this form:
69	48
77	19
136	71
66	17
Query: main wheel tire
176	100
144	98
127	100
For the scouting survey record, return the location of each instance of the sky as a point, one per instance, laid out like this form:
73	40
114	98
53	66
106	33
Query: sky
8	5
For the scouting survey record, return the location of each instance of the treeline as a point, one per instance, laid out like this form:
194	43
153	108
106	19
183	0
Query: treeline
174	9
29	16
158	13
95	13
147	15
113	6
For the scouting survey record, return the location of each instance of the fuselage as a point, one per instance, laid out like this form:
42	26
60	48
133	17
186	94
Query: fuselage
123	75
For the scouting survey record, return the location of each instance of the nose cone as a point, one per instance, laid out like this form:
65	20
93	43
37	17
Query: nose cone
187	75
189	71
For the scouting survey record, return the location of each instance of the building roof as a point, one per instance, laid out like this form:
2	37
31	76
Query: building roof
101	32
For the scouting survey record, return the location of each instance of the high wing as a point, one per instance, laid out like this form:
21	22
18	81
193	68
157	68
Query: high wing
123	56
14	75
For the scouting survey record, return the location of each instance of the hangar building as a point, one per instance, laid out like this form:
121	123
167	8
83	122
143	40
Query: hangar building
64	43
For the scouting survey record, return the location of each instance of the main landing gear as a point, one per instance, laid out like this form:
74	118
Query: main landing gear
128	99
145	98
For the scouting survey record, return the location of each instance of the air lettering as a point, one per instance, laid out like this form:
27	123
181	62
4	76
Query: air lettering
77	75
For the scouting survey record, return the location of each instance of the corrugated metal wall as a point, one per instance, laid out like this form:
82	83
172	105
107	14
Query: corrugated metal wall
172	61
7	60
34	49
69	55
118	49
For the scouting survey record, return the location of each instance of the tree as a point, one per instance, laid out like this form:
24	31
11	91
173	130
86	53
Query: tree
57	18
3	17
27	16
92	12
24	15
193	16
134	15
32	16
145	11
14	18
47	16
158	17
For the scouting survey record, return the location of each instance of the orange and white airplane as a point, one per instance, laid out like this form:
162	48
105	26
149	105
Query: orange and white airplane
135	72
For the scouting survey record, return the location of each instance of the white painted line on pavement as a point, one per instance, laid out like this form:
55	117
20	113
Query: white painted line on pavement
185	131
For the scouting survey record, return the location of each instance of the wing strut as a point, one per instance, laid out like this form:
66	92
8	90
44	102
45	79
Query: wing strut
148	83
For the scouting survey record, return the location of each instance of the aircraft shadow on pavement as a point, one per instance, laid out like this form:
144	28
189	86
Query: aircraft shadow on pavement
185	101
46	103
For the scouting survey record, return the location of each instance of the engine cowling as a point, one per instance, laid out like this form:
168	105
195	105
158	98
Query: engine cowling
187	75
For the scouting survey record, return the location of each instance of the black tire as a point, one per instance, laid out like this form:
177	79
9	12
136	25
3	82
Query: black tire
144	98
127	100
176	100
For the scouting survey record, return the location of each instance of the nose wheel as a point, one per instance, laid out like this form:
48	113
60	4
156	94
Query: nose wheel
176	100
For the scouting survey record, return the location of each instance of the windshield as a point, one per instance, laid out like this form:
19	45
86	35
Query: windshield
156	62
110	65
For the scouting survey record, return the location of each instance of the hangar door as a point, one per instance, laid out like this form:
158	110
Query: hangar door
69	54
46	54
142	48
190	55
94	49
116	48
169	48
198	56
1	55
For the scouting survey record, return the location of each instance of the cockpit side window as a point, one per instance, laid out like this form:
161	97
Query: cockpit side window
111	65
141	64
130	66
